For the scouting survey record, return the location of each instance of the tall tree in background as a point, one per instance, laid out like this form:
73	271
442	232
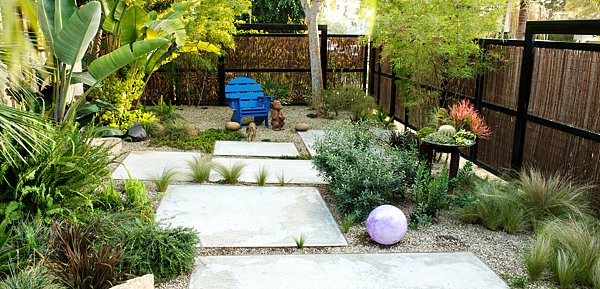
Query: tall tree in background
583	9
311	10
282	11
523	14
432	41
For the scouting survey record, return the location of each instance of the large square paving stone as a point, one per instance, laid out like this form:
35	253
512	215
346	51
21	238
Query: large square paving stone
294	171
248	216
458	270
309	138
255	149
148	165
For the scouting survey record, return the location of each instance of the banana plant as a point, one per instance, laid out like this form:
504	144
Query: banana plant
68	32
129	23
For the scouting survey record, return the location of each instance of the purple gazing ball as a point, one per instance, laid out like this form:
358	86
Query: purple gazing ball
386	225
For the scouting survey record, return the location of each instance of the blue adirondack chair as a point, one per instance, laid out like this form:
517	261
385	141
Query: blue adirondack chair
248	99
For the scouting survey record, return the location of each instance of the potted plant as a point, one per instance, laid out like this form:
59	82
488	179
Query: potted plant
459	125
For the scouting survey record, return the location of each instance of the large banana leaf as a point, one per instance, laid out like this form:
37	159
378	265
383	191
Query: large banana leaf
132	24
158	56
46	19
113	16
108	64
77	34
63	10
171	28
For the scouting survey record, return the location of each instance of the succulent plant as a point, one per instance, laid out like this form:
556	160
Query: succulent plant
447	130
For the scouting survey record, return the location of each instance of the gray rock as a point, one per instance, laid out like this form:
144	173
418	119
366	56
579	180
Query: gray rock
136	132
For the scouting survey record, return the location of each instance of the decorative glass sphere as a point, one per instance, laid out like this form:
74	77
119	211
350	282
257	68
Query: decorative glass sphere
386	225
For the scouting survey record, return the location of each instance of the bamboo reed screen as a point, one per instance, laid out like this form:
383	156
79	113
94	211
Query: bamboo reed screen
565	89
191	85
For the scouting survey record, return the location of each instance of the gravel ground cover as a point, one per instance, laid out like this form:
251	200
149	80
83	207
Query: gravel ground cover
500	251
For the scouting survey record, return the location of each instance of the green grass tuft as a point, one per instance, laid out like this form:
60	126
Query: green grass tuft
281	180
536	259
201	167
231	174
300	241
164	179
349	220
261	176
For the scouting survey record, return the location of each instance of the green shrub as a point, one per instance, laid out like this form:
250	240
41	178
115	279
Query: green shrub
177	129
59	179
36	277
362	172
149	248
204	140
137	198
154	129
429	193
164	111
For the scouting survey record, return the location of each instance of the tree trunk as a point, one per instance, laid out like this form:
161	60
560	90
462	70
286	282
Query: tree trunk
523	13
316	73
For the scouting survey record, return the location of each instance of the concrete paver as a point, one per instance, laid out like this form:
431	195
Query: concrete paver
458	270
148	165
250	216
294	171
309	137
256	149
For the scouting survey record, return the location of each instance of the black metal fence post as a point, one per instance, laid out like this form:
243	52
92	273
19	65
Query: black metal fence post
479	86
372	62
527	62
393	94
221	80
324	59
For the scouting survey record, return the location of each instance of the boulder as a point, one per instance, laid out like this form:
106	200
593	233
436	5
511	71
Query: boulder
144	282
231	125
302	127
136	132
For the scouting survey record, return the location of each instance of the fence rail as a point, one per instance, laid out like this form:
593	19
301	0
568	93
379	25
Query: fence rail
543	104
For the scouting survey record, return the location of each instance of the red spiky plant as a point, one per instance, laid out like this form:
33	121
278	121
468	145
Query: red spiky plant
464	116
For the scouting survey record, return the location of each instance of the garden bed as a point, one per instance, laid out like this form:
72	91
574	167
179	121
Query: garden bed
500	251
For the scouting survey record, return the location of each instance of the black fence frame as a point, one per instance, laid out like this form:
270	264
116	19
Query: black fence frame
283	30
577	27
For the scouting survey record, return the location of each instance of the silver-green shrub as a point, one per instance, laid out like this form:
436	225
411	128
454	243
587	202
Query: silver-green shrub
363	172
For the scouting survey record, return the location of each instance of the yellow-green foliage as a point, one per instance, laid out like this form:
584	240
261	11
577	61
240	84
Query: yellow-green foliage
121	91
125	120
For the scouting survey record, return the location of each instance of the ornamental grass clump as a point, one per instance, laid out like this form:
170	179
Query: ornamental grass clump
567	251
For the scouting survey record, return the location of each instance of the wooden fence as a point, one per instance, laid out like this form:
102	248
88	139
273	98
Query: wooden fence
280	57
543	104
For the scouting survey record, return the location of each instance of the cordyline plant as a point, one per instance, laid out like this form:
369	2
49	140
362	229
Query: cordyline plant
464	116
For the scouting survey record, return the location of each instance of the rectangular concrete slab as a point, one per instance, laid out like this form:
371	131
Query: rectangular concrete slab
294	171
460	270
148	165
249	216
309	137
256	149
